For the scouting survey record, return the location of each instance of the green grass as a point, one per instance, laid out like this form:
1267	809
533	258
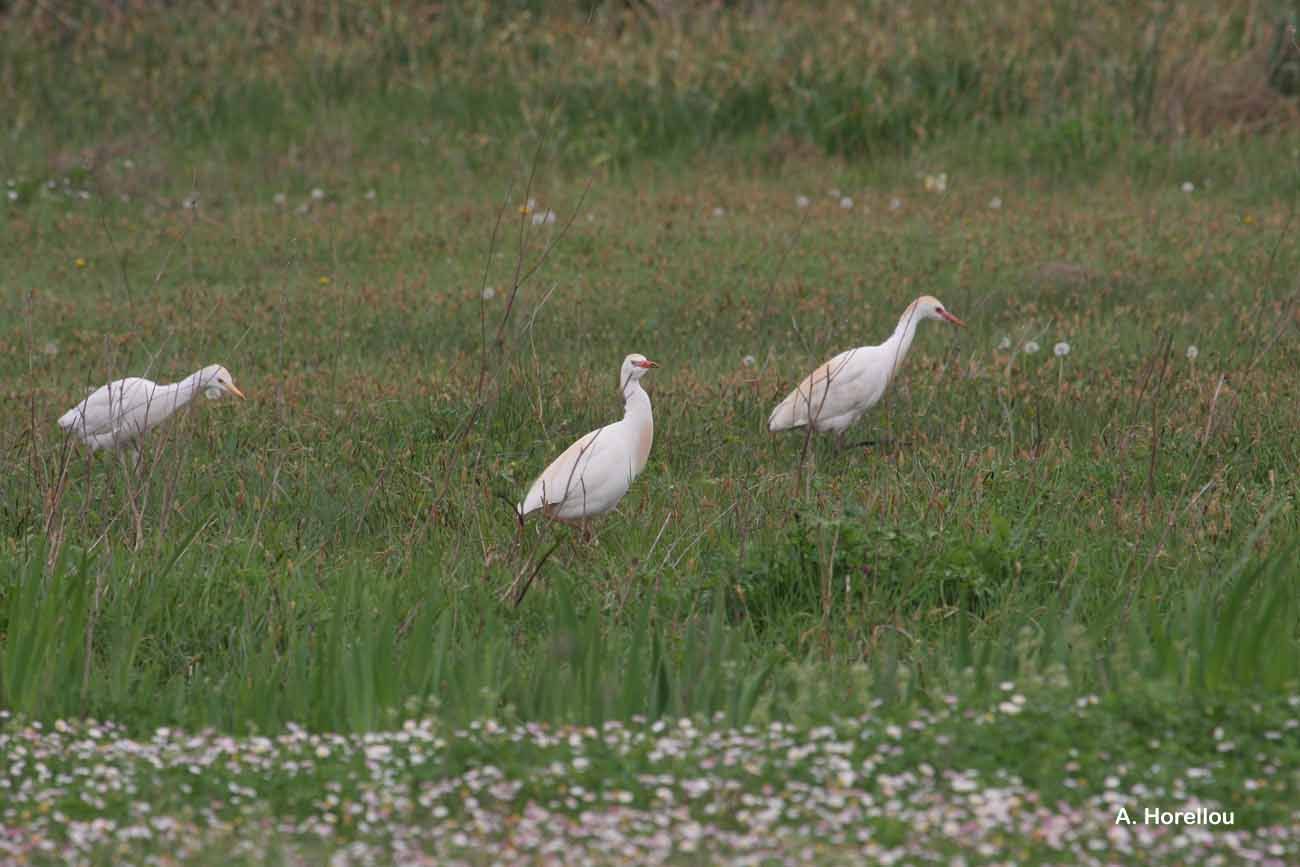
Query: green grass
334	552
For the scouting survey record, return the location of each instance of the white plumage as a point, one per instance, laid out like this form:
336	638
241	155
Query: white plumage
836	394
116	414
592	475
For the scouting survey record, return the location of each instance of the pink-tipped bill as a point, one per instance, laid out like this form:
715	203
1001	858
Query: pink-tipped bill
953	319
647	363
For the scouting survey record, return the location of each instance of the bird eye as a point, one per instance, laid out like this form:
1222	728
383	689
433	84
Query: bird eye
938	310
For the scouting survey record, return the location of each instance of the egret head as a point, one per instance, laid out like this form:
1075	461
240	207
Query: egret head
215	381
929	307
635	366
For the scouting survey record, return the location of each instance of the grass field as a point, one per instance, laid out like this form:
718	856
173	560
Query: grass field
1062	581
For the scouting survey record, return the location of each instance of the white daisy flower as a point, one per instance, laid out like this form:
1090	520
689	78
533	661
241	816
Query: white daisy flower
1061	349
370	194
280	199
802	201
1031	347
936	183
749	361
1189	187
846	203
1192	352
995	202
317	193
1004	343
489	293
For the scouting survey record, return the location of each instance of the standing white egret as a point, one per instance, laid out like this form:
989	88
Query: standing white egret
116	414
594	473
836	394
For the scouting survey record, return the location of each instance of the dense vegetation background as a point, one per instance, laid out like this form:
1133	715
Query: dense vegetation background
422	236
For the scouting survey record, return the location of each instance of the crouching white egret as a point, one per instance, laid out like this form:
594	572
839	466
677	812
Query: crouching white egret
116	414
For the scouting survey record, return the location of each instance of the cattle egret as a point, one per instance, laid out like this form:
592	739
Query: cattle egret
116	414
836	394
594	473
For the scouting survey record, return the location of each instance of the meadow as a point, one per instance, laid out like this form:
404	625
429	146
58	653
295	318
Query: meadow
1061	578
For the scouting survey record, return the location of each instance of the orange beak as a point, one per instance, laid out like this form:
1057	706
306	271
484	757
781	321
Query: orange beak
953	319
647	364
235	391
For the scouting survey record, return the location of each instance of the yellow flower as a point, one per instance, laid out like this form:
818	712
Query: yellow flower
79	262
324	281
1249	219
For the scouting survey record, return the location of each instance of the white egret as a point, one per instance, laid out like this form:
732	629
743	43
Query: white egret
836	394
116	414
594	473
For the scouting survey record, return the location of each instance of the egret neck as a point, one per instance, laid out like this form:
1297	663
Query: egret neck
900	341
637	414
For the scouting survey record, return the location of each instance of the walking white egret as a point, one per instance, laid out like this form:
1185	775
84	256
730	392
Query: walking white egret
592	475
835	395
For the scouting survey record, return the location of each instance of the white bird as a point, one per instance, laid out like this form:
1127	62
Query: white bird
836	394
594	473
116	414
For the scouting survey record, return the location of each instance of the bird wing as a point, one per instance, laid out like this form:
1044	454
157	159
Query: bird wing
100	413
840	386
588	477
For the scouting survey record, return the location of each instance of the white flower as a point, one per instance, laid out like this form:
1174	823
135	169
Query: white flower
370	194
1061	349
749	361
895	203
1192	352
13	195
802	201
50	348
1189	187
317	193
835	193
719	212
936	183
128	164
280	199
544	218
846	203
1031	347
489	293
995	202
1004	343
191	201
